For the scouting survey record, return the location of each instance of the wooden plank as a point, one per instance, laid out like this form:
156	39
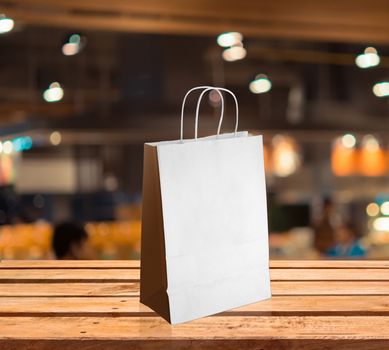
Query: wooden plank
69	289
350	274
54	306
284	10
371	33
125	264
69	275
125	306
317	305
208	344
117	275
333	264
330	288
208	328
69	264
132	288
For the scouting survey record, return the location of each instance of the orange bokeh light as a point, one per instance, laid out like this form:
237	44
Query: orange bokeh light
343	160
372	162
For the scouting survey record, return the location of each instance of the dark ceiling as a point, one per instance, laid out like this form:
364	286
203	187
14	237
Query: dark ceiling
137	80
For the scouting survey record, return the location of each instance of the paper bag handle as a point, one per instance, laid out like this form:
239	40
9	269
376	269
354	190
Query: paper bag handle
207	87
222	114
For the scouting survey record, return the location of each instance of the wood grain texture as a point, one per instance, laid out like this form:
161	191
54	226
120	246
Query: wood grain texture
95	305
69	275
69	289
128	264
297	19
133	274
209	328
69	264
191	344
130	306
84	289
328	274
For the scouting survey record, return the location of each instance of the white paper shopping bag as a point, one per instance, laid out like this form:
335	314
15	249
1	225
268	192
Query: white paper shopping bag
204	223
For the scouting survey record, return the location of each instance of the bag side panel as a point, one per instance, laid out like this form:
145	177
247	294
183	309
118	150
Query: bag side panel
153	261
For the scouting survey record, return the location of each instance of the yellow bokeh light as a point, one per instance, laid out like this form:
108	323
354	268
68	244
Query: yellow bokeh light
285	158
55	138
372	209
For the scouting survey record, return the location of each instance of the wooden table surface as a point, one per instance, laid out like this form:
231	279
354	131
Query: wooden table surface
95	305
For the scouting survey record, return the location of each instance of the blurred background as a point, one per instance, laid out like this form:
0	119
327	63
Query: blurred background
83	84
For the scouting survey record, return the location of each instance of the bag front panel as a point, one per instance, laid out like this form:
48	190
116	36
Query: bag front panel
215	221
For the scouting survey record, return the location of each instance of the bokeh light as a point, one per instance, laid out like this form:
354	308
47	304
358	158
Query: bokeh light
368	59
8	147
234	53
285	157
6	24
381	224
55	138
54	93
261	84
229	39
372	209
385	208
349	141
381	89
73	45
344	156
372	160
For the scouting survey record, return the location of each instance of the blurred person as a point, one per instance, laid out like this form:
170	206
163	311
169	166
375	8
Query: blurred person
347	245
323	229
70	242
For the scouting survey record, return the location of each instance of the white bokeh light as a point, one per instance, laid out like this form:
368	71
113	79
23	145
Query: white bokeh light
368	59
381	89
54	93
260	84
6	24
349	141
229	39
234	53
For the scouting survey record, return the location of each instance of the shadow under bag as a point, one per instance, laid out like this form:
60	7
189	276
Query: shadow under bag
204	244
